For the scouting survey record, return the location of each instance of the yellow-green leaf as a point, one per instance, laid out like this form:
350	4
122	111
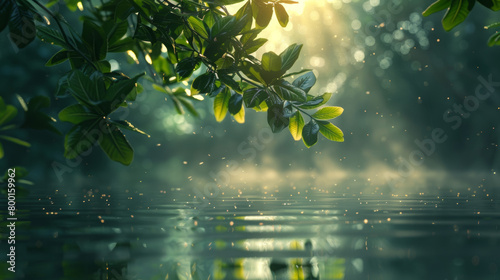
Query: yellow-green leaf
221	103
296	125
240	116
328	113
281	15
330	131
16	140
271	62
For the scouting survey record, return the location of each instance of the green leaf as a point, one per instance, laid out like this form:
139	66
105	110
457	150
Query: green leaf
21	26
122	45
204	83
310	133
189	106
57	58
254	97
38	102
115	145
289	56
250	35
223	27
38	120
95	38
235	103
129	126
289	92
145	33
224	62
76	114
217	91
328	113
315	102
491	4
198	26
209	18
117	31
262	13
288	109
72	4
51	36
186	67
226	2
493	25
458	12
230	82
7	112
276	119
82	88
262	107
21	172
271	62
305	82
161	89
103	66
8	127
436	7
62	86
221	103
296	73
1	151
82	137
330	131
253	46
281	14
118	92
494	40
51	3
177	105
241	25
22	102
123	9
255	73
15	140
5	12
244	14
296	125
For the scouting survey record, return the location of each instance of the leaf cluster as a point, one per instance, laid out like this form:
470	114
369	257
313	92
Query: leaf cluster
458	10
175	40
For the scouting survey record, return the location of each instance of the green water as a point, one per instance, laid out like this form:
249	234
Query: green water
264	234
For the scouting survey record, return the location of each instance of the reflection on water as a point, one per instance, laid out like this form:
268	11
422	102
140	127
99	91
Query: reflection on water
313	235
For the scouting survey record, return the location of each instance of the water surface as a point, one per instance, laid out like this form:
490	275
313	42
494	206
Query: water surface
259	234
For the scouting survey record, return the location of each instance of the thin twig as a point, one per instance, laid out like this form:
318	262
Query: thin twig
65	37
296	107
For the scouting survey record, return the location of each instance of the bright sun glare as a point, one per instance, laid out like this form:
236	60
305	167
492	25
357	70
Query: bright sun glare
296	9
292	9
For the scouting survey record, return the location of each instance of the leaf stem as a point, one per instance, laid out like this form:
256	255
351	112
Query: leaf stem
304	112
247	80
